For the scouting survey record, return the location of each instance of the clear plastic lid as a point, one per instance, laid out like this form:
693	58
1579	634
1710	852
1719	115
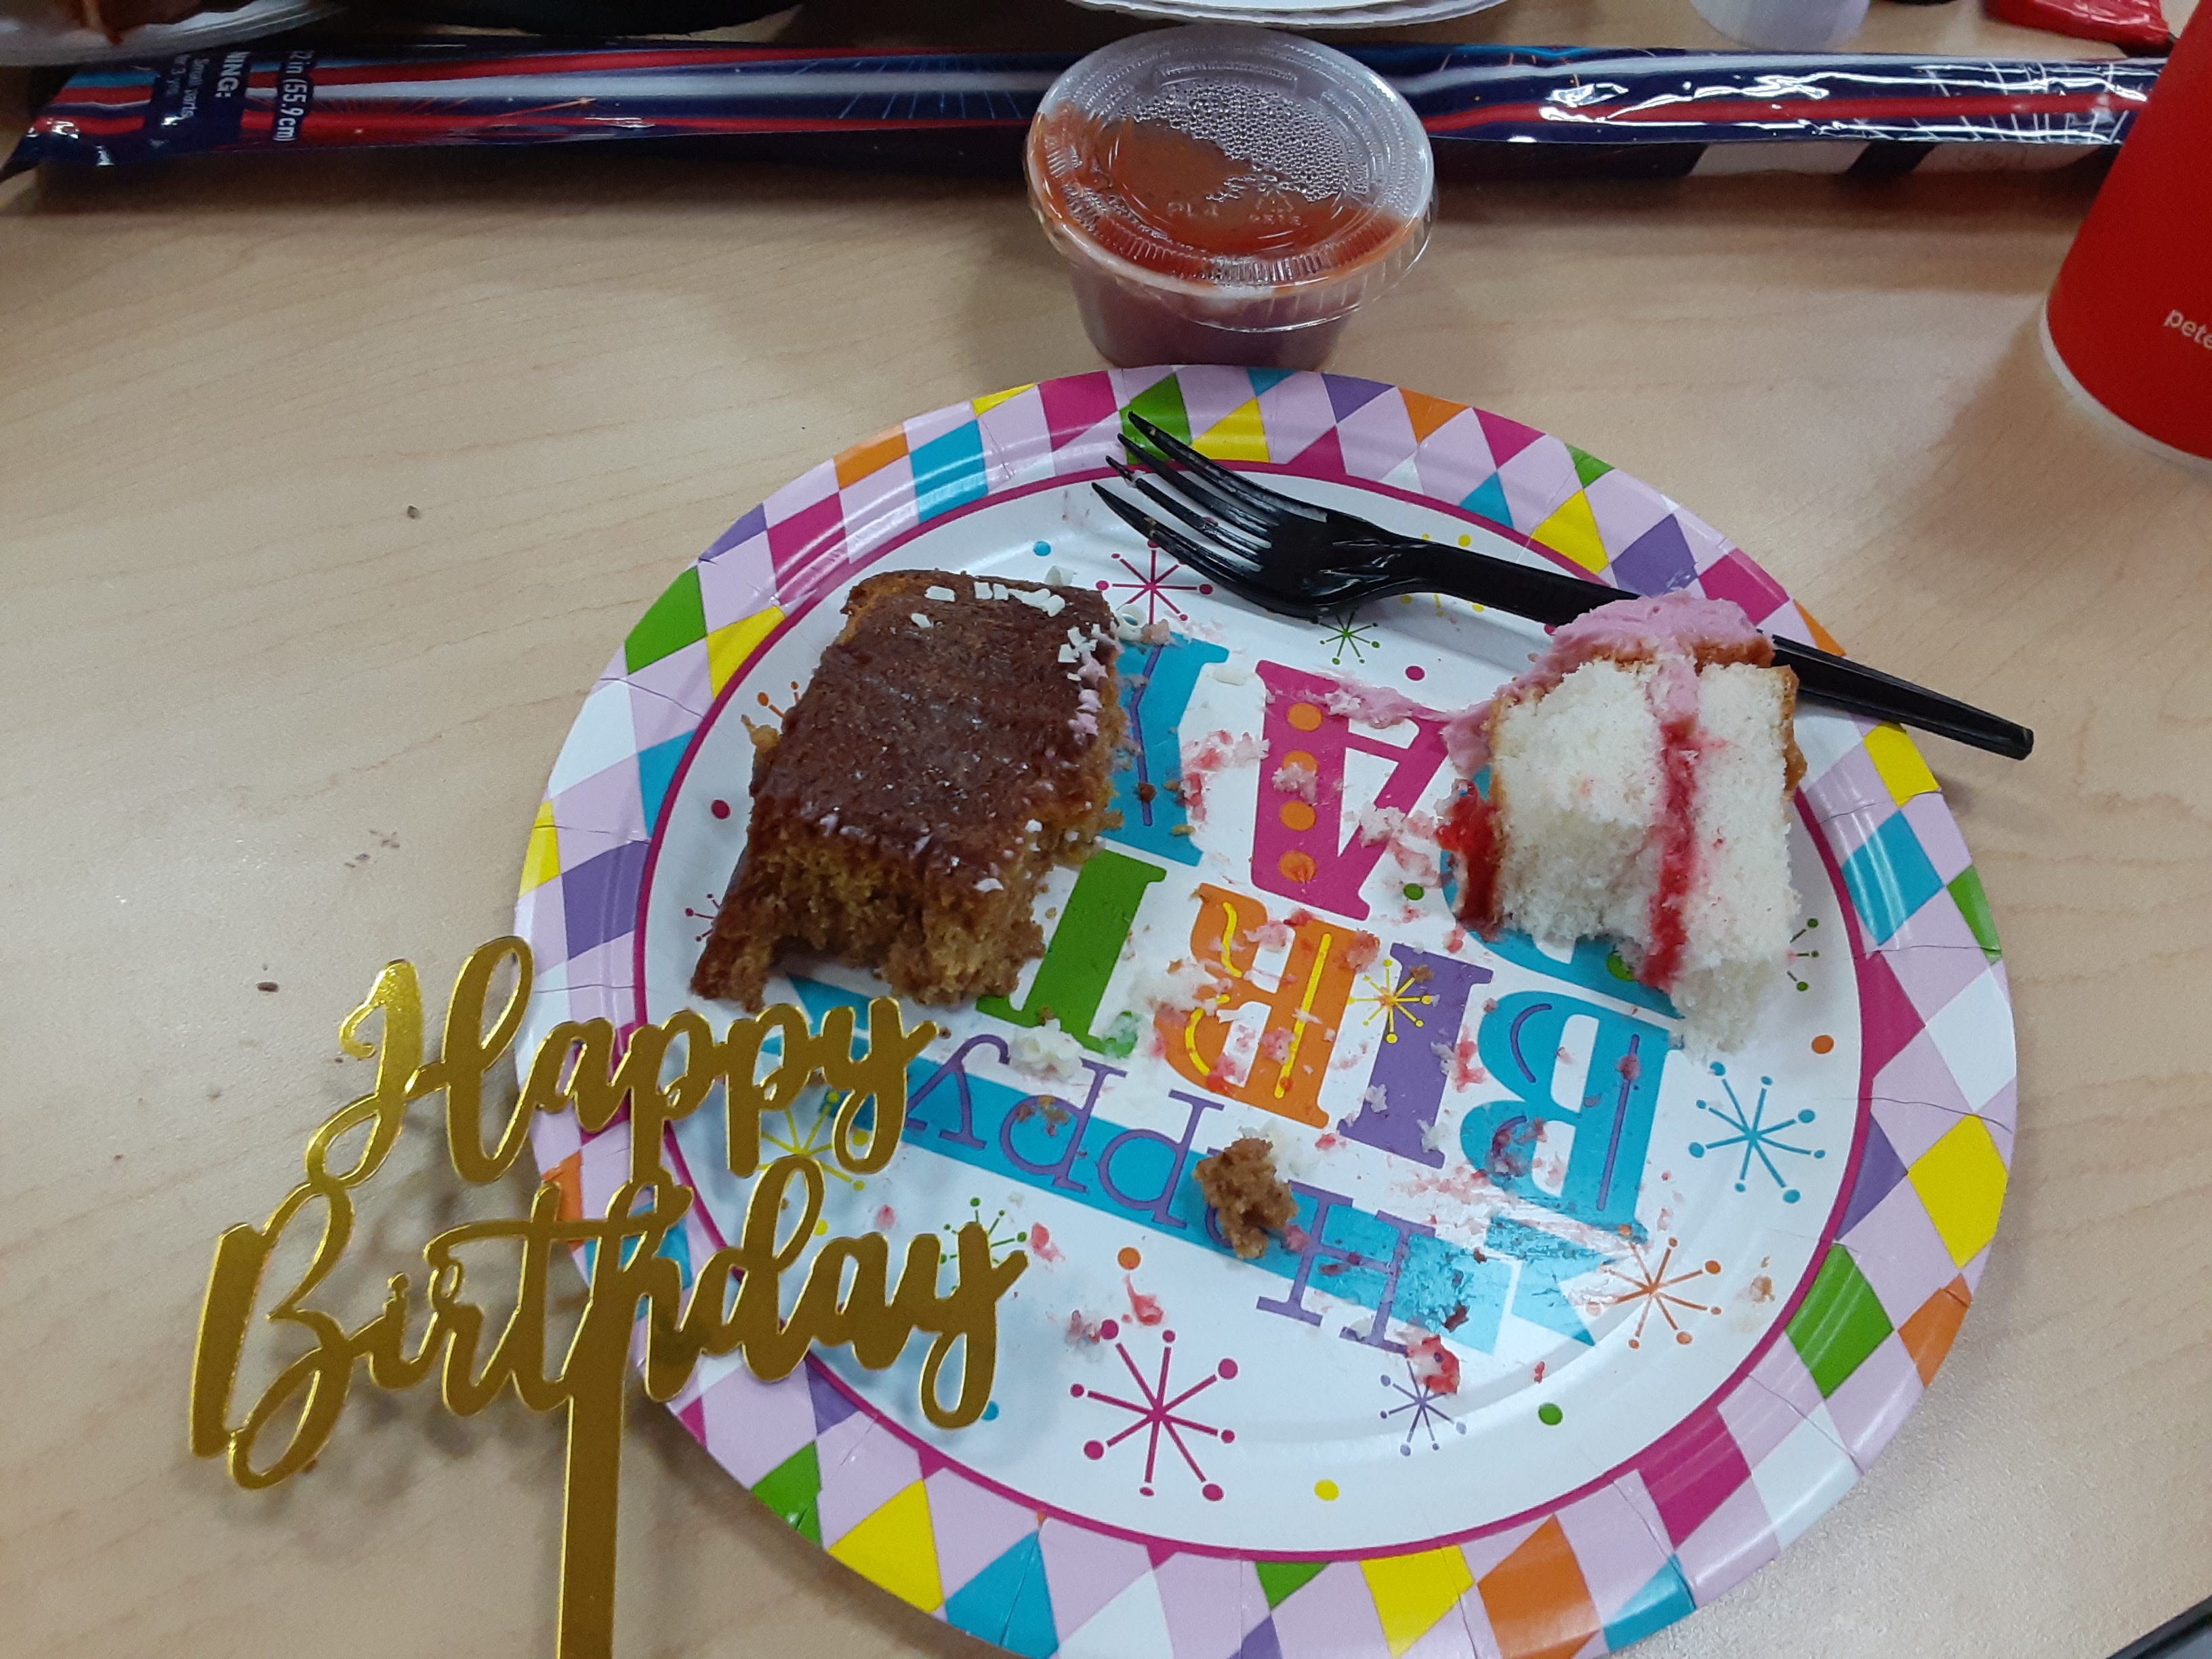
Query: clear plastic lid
1225	167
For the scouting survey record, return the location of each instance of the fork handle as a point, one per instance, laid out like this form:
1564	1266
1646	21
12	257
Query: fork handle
1868	691
1553	597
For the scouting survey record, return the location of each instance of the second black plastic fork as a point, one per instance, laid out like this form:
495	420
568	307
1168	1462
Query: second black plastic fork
1305	560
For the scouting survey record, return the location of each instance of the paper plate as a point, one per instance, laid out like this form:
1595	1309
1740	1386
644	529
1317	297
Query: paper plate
1683	1322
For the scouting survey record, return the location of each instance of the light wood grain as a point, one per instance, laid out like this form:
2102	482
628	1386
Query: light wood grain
262	724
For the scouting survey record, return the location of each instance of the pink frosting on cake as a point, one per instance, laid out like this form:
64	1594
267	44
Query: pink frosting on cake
1687	624
1682	629
1467	740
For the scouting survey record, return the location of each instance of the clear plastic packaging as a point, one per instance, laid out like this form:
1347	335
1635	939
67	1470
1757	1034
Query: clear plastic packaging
1532	113
1226	194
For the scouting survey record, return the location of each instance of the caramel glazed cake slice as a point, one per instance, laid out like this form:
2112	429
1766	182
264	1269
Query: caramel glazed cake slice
955	743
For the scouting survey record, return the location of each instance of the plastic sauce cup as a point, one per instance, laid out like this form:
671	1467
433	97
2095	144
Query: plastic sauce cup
1227	195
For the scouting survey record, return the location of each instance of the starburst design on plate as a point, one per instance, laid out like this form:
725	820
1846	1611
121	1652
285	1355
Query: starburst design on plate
1426	1414
1796	955
1358	638
1757	1138
1393	998
1153	586
811	1138
1652	1291
1157	1414
713	908
761	698
991	1230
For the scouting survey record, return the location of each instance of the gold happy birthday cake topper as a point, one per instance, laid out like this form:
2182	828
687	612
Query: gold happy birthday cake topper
735	1303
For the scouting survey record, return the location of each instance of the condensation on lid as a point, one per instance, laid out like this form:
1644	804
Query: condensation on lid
1290	140
1222	157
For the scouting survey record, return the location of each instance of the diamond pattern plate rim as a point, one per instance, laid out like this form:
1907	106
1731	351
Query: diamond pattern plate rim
1633	1551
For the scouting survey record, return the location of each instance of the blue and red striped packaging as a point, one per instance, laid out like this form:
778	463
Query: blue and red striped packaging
1490	110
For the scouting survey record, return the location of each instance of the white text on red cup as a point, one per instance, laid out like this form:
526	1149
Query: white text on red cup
2197	331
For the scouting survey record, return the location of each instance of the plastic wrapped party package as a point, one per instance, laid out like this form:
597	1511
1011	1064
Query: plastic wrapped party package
1489	111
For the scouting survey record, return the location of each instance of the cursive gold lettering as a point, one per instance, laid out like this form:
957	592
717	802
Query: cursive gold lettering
843	1300
877	1073
469	1053
395	1001
749	1095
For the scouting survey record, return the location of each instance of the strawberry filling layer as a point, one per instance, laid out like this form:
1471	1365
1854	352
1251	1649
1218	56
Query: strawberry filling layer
1674	693
1677	633
1468	831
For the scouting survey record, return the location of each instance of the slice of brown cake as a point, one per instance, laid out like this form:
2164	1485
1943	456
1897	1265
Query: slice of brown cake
954	744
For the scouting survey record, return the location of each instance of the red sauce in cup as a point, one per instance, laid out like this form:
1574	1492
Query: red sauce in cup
1227	195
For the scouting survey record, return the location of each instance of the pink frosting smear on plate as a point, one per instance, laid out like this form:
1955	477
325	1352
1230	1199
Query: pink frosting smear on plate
1374	705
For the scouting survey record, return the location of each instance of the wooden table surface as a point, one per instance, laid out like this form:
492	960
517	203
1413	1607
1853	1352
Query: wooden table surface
264	723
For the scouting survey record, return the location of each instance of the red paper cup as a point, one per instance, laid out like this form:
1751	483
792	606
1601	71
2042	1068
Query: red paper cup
2129	324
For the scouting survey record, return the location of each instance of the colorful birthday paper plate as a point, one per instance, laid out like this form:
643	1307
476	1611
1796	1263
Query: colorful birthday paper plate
1681	1332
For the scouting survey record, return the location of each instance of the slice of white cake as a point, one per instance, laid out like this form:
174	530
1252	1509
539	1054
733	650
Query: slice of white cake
1640	784
1577	795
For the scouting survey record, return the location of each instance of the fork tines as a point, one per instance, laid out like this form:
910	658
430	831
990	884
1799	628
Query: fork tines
1169	538
1254	507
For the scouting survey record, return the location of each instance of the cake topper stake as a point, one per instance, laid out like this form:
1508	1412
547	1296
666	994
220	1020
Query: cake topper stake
734	1302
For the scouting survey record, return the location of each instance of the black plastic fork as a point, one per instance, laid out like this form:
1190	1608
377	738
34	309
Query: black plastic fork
1301	560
